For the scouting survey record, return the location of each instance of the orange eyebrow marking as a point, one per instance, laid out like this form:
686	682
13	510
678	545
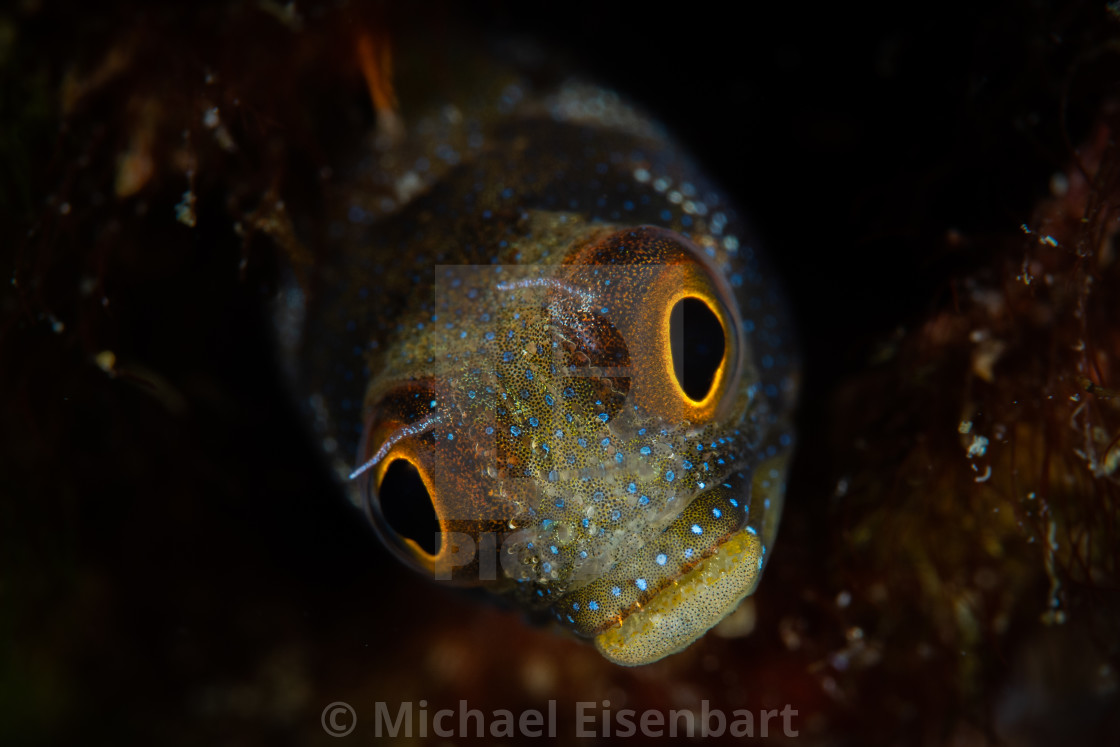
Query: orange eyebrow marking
375	58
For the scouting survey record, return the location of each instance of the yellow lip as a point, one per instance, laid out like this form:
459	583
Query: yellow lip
684	611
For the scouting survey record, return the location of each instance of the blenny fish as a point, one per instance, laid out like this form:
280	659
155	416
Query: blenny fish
543	354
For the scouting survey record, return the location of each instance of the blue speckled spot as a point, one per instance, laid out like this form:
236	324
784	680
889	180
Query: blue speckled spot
593	605
688	552
641	584
669	476
662	558
645	450
515	430
616	591
717	513
697	529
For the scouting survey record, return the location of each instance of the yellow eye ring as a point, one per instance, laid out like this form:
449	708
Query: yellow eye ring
698	348
405	545
704	407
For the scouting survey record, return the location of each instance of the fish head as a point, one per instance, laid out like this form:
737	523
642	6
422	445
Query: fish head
589	435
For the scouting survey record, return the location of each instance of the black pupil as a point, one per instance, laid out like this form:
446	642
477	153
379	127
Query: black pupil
407	506
696	338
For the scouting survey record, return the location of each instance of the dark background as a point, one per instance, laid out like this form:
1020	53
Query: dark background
178	566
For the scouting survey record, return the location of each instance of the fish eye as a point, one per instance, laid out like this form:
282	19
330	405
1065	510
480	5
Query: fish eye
698	346
405	504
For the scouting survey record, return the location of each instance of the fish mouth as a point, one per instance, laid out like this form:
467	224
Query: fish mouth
661	597
664	594
687	608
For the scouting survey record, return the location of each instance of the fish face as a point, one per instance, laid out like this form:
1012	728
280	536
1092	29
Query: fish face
563	371
586	435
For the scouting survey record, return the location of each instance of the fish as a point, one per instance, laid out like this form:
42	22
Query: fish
542	352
